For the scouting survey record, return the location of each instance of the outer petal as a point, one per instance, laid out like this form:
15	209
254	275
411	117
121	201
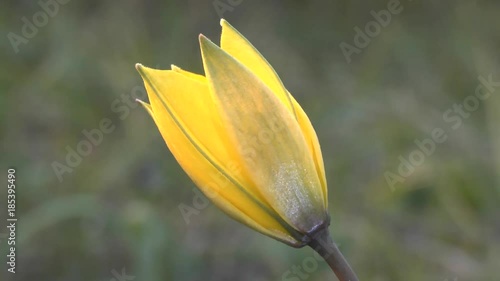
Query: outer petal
183	110
314	147
238	46
241	49
275	151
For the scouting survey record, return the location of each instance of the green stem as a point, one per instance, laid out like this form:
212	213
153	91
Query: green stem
323	244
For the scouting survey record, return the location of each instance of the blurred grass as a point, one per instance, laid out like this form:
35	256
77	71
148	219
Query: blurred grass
119	207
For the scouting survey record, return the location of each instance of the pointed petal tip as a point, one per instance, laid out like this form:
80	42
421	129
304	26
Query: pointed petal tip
143	103
222	22
203	41
206	43
141	69
146	106
208	48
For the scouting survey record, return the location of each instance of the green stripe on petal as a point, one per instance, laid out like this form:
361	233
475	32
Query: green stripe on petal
278	157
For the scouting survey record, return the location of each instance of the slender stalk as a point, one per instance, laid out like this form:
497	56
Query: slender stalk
324	245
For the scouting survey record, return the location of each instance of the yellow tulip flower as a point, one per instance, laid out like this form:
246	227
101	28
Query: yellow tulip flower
246	143
242	138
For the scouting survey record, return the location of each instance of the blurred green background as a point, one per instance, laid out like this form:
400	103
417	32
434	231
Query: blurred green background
117	210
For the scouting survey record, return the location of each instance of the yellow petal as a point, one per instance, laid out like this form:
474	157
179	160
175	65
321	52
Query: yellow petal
241	49
314	147
184	112
275	152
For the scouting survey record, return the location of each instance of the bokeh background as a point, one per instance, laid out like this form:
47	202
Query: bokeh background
117	210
